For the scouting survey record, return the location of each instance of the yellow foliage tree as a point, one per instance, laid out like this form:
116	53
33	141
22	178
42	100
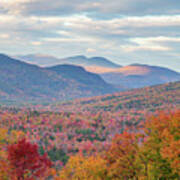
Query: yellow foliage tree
81	168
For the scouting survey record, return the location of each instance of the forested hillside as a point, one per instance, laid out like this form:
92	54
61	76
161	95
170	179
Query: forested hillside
88	126
143	99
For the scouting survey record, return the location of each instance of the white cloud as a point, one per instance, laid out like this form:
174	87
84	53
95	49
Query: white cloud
161	39
150	43
147	21
116	26
13	6
125	33
36	43
130	48
90	50
4	36
59	7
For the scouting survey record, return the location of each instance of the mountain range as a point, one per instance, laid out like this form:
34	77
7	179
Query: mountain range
131	76
71	78
23	81
47	60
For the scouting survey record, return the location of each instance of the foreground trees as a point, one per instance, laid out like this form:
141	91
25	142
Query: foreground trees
5	139
122	157
26	162
161	146
90	168
152	154
20	160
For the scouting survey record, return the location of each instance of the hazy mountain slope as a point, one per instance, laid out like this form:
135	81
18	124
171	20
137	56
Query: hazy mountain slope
132	76
136	76
89	81
94	61
20	80
39	59
46	60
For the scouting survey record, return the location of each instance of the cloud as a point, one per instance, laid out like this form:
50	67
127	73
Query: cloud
90	50
116	26
106	7
83	28
128	33
147	47
36	43
161	39
151	43
69	40
4	36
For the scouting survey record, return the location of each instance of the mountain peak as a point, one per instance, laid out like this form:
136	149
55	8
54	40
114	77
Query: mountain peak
78	57
79	60
98	58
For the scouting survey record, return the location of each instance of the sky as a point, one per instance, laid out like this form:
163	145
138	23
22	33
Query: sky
124	31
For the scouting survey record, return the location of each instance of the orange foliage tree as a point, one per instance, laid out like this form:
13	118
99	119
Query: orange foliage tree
122	157
162	144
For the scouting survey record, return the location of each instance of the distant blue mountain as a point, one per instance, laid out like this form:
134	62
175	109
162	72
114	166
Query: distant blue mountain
46	60
127	77
20	80
140	75
94	61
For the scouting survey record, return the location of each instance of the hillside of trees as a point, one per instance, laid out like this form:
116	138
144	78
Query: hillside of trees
85	133
150	153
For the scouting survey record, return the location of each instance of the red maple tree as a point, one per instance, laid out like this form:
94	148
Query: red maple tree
26	161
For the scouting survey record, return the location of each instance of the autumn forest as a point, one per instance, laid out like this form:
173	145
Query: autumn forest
128	135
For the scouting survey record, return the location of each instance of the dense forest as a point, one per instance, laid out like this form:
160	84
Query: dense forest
127	135
150	153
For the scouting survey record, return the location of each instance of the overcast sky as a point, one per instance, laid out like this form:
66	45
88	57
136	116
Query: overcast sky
125	31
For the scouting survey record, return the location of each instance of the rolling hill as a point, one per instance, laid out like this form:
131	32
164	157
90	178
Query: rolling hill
148	99
22	81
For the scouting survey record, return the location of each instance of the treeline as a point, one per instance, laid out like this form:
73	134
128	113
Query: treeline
150	154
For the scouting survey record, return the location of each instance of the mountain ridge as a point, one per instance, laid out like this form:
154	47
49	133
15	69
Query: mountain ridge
140	75
149	98
81	60
26	81
121	78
